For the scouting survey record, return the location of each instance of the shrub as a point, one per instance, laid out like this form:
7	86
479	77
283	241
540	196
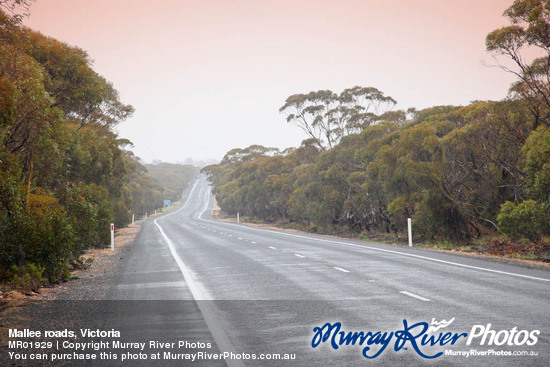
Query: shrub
26	278
527	219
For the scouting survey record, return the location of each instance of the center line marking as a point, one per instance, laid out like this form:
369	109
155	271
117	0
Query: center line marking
415	296
299	255
254	242
340	269
273	248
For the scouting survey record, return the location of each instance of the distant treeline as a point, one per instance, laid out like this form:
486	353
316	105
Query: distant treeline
65	175
173	177
460	172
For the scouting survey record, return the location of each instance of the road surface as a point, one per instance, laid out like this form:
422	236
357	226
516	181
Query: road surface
254	291
263	290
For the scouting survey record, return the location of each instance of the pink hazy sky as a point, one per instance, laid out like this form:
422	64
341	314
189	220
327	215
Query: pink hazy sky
206	76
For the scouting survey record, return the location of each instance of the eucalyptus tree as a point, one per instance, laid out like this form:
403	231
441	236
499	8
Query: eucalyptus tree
530	28
326	117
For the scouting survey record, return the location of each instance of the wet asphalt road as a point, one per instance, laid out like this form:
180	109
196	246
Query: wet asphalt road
263	291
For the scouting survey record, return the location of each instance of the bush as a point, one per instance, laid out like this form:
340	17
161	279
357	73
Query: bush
527	219
26	278
37	233
90	214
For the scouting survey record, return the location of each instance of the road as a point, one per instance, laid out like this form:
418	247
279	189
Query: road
263	291
251	291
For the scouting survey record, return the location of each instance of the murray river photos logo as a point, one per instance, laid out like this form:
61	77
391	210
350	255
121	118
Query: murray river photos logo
420	337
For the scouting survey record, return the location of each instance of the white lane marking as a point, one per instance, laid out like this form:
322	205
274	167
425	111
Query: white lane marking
342	270
230	235
254	242
415	296
299	255
366	247
293	265
239	238
209	192
150	271
228	275
273	248
200	295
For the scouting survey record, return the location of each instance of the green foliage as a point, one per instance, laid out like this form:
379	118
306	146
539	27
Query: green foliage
27	278
537	164
531	218
527	219
90	214
83	95
37	231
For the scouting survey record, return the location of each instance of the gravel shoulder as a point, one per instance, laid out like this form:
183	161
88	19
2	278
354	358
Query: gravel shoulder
86	284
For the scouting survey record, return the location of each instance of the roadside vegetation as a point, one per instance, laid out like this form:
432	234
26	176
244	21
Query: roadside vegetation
473	177
65	174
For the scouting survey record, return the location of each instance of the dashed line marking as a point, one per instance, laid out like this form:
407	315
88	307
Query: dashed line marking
340	269
253	242
273	248
299	255
415	296
366	247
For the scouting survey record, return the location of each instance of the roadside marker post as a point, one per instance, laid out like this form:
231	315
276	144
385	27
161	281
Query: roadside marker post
145	215
409	226
112	237
238	219
132	219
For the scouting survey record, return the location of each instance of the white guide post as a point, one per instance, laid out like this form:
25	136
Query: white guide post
132	219
112	237
409	226
238	219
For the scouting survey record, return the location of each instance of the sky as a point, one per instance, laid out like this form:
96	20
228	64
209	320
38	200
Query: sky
207	76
